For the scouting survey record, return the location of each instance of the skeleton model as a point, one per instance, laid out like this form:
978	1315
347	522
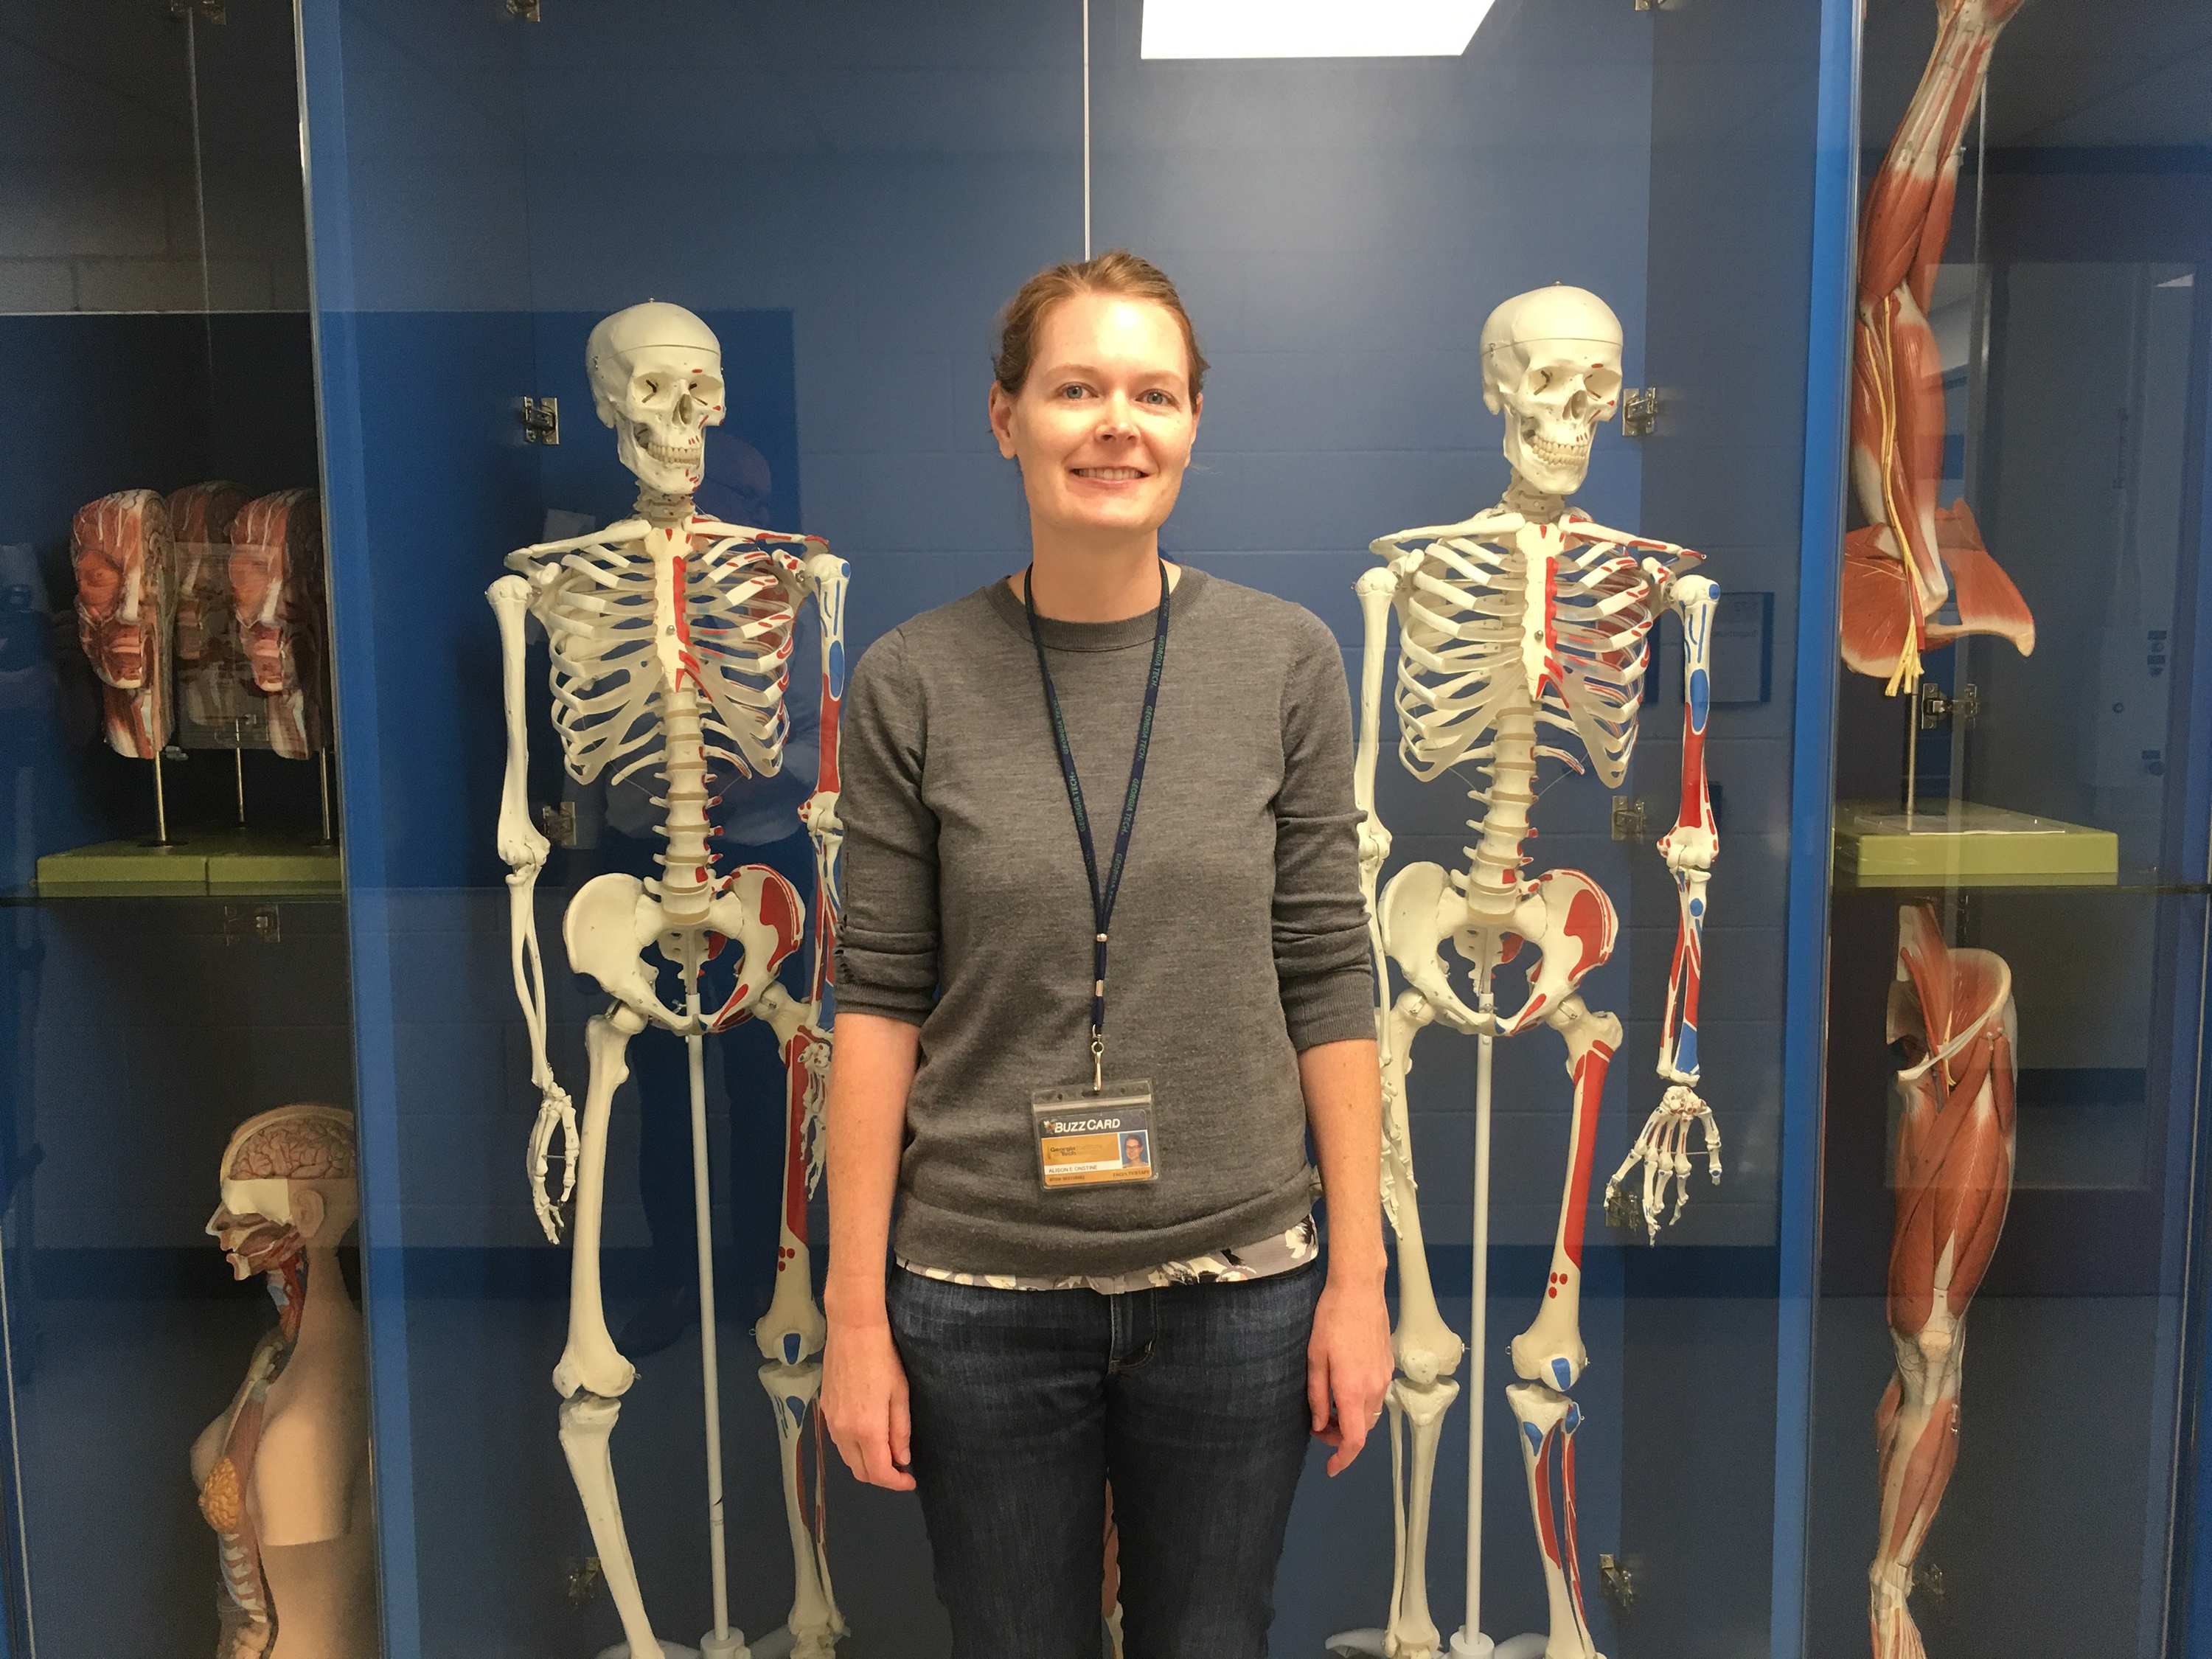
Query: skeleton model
1524	616
669	636
1951	1013
1912	556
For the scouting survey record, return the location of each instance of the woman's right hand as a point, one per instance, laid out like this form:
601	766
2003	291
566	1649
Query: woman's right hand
863	1402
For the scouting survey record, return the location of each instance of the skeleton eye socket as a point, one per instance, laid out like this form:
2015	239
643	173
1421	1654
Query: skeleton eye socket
1539	379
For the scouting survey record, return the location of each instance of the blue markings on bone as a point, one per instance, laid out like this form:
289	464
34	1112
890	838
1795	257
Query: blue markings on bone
1565	1372
1700	695
1535	1439
797	1407
1574	1417
1697	907
791	1348
837	664
1686	1050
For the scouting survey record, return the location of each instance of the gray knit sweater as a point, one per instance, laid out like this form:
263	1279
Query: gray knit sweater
1238	939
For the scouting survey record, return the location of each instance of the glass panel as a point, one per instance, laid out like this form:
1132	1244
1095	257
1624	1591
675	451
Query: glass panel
2048	886
176	957
1341	229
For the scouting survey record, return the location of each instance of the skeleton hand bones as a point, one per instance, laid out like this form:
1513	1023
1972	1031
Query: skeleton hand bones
1689	847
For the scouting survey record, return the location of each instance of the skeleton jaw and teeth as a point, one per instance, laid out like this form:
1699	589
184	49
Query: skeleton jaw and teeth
1552	413
672	395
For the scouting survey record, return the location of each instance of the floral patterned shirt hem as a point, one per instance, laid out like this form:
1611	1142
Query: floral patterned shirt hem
1278	1252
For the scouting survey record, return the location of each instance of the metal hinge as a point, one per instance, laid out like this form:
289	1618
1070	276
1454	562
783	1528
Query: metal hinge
262	924
1639	410
1630	822
541	420
558	823
1617	1577
1936	707
584	1580
525	10
209	10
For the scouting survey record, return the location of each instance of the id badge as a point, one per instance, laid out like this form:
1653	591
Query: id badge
1094	1137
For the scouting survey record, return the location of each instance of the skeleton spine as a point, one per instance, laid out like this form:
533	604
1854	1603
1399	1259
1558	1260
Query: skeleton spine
686	871
1493	885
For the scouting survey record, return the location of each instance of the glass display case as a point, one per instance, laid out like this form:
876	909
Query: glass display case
362	245
2020	882
176	957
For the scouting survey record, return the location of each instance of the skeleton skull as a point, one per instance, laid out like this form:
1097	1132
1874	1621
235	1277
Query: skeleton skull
1551	364
656	373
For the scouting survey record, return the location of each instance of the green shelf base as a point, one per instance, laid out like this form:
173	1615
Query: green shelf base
256	861
198	861
1963	844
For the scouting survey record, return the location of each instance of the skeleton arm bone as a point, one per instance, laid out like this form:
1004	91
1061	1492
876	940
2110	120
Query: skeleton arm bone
1376	589
523	849
829	576
1689	848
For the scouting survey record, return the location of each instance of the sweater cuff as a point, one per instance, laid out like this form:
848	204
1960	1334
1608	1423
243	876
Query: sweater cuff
1332	1007
893	975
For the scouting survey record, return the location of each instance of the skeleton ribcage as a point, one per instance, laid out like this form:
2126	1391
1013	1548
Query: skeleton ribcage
1464	625
739	603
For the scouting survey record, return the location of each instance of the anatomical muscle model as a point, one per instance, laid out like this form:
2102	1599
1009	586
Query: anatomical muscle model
1951	1015
670	635
277	592
1913	555
211	670
1525	616
282	1475
121	551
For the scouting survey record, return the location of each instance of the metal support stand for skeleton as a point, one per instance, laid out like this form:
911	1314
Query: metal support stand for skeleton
670	635
1525	615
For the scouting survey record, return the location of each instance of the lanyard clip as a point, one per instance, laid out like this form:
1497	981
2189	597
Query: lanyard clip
1097	1061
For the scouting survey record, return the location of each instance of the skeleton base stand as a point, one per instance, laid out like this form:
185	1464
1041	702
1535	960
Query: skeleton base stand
1527	615
670	636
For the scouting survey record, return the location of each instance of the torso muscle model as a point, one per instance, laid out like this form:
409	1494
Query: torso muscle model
670	633
1524	617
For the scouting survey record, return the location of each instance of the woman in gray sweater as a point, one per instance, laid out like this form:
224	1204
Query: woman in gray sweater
1090	1006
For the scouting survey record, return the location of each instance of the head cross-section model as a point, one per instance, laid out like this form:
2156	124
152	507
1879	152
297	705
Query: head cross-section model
276	589
282	1473
1523	629
671	638
120	549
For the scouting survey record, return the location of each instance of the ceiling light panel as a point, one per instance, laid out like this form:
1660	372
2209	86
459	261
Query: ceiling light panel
1311	28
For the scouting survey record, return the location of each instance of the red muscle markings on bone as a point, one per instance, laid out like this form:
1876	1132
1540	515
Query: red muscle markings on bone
1567	1508
1588	918
1540	1479
794	1162
1589	1091
778	908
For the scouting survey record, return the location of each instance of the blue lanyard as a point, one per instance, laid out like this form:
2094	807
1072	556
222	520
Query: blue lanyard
1102	898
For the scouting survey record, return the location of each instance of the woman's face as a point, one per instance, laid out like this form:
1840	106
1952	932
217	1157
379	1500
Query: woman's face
1102	429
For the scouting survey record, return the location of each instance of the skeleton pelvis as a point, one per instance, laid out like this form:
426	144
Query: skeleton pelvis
613	920
1563	916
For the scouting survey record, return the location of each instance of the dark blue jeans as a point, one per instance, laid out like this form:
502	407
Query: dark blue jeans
1191	1400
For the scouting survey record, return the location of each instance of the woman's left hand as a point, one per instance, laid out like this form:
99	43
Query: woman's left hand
1348	1365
